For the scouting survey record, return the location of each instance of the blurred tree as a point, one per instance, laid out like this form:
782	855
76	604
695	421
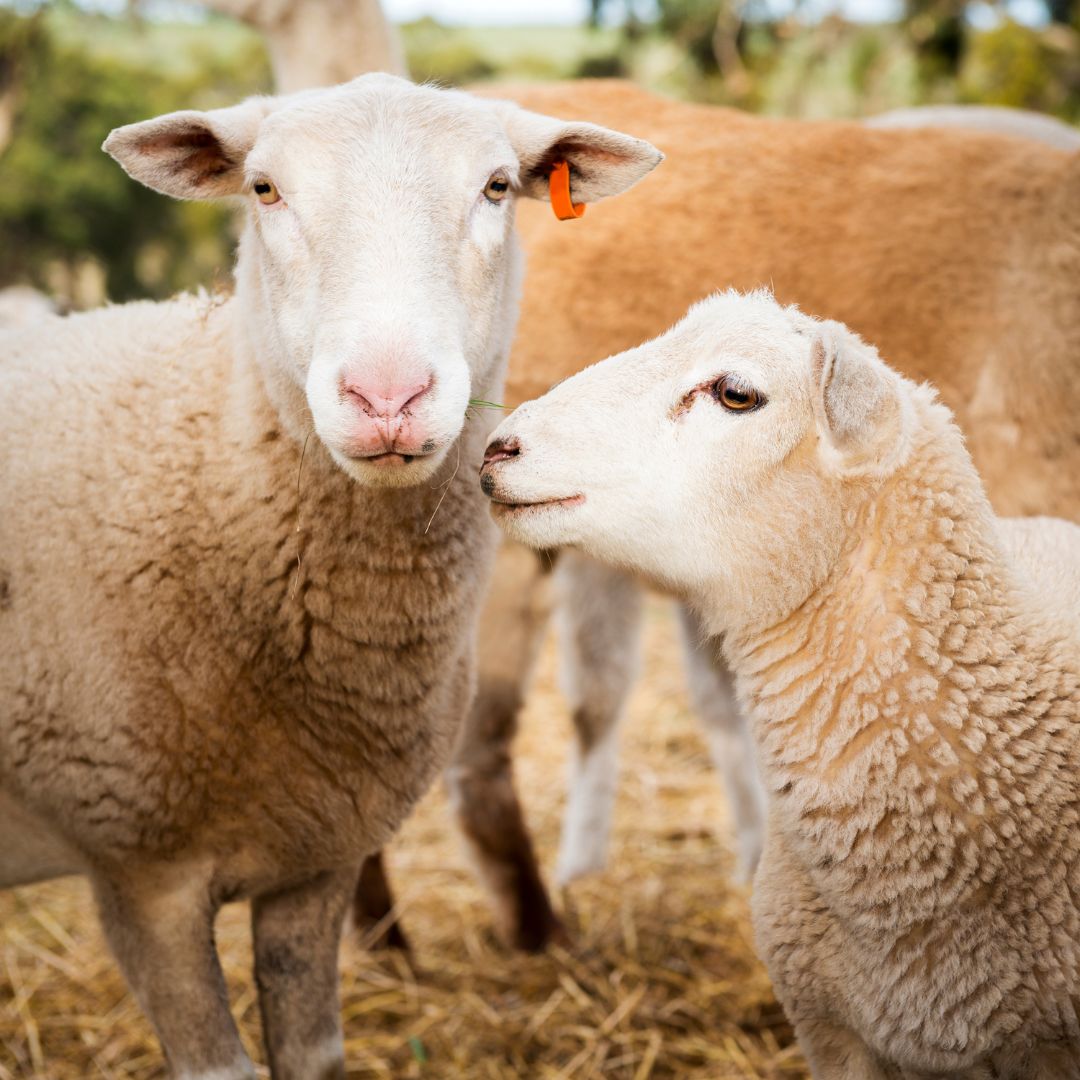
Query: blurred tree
65	205
714	34
20	40
938	29
438	54
1026	68
1065	12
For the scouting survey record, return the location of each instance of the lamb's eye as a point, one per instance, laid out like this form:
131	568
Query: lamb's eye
497	187
736	397
266	192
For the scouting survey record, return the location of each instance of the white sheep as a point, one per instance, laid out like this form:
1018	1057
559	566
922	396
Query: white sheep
242	548
21	305
993	119
910	664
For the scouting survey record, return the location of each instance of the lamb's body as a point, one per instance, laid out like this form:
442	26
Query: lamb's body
918	723
909	662
279	657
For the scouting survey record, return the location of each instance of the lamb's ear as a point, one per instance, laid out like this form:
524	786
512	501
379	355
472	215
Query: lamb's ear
190	155
602	162
859	403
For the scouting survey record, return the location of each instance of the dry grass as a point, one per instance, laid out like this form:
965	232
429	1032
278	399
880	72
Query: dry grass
661	980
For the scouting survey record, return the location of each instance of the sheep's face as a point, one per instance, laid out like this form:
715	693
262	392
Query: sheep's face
378	271
712	459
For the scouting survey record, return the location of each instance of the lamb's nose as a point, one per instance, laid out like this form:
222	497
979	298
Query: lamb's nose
385	402
500	450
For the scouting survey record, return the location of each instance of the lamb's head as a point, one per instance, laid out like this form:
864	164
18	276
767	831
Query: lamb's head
378	272
719	459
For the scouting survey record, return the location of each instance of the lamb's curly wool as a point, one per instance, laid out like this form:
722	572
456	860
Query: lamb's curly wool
918	720
279	655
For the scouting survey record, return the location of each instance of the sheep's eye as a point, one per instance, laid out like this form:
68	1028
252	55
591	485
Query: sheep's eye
734	396
497	187
266	192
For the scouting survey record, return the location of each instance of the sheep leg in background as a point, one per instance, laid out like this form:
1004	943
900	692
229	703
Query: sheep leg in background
598	614
731	746
296	934
480	779
162	934
373	907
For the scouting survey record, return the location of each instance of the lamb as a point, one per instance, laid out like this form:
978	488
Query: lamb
241	552
910	664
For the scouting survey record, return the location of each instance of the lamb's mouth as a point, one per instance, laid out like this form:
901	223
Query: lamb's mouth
507	508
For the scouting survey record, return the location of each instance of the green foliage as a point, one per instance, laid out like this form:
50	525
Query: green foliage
1018	66
691	23
838	70
447	58
456	56
63	200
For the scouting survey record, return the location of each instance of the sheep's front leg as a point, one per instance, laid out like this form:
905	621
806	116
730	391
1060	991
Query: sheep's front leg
480	780
296	934
599	621
161	929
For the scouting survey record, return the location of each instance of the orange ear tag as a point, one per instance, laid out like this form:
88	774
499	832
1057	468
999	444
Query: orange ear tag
565	208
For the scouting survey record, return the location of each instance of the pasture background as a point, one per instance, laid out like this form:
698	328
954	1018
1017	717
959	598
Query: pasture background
660	979
72	224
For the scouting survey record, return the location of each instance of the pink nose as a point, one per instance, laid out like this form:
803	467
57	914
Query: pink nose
382	402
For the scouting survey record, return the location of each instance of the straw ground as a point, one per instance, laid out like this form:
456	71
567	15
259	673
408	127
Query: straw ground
660	980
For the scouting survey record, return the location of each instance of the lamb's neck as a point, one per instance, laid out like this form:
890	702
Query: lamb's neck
888	708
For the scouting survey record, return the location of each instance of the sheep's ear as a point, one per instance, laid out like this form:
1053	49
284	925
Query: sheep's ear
858	402
190	155
602	162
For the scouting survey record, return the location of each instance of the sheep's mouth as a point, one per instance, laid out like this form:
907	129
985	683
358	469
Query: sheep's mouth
388	459
508	508
391	457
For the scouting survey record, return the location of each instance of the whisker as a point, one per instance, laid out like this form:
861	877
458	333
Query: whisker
299	552
446	488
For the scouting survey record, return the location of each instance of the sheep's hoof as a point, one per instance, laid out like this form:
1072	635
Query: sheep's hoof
578	860
537	925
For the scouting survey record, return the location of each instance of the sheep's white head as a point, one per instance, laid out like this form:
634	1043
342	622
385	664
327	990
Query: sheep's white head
713	459
378	268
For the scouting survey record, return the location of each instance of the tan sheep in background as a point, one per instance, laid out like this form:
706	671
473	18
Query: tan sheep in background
913	685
